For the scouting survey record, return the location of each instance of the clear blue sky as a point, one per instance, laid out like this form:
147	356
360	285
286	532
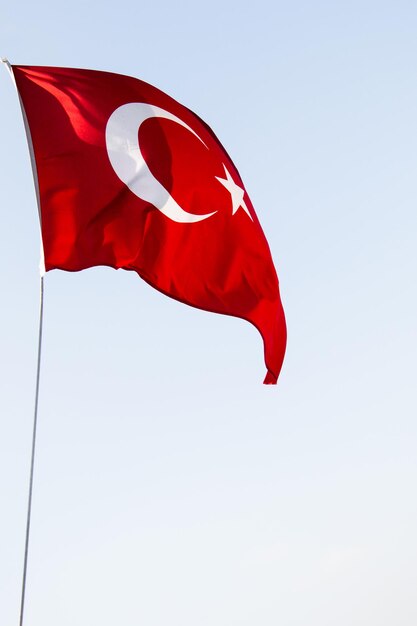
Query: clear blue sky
171	487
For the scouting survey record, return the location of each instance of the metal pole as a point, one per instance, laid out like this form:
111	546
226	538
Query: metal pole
38	370
32	463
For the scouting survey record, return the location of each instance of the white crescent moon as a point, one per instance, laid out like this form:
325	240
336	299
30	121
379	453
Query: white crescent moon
122	142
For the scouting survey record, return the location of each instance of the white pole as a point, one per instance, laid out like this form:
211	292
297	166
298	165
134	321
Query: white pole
38	369
32	463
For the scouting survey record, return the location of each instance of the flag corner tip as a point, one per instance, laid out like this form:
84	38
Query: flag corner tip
270	378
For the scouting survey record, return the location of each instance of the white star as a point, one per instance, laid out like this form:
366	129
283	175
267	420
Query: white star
235	191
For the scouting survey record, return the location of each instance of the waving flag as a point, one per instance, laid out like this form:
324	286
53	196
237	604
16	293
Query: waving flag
129	178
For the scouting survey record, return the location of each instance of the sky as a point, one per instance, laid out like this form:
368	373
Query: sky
171	486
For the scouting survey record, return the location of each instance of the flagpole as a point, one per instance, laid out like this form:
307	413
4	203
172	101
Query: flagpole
32	462
38	367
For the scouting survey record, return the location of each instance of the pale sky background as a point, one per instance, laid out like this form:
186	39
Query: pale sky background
171	486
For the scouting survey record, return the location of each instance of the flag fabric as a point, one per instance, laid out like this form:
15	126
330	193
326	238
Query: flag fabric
129	178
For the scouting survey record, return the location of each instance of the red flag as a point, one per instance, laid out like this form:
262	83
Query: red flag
130	178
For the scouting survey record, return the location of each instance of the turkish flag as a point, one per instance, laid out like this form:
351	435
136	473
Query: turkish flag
129	178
